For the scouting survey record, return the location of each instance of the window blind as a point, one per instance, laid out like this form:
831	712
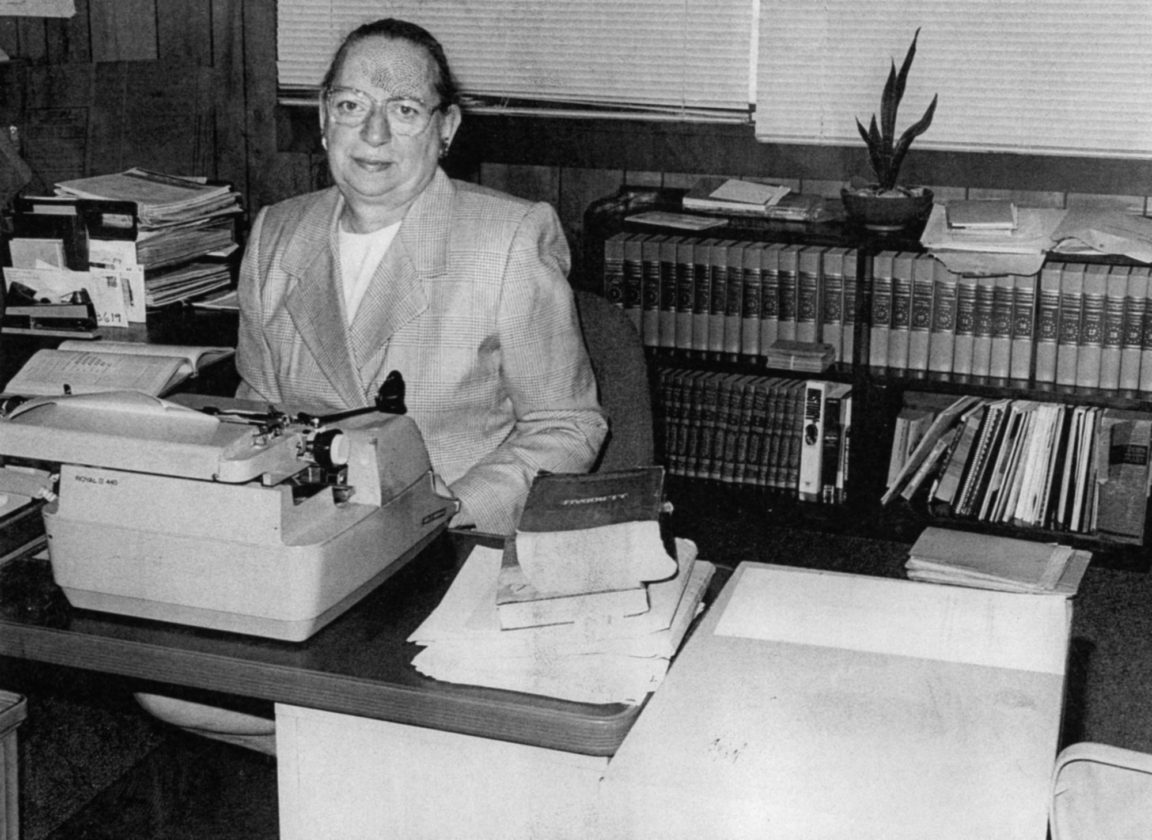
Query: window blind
686	58
1051	77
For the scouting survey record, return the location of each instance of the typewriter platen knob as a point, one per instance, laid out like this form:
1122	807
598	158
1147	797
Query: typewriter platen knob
329	449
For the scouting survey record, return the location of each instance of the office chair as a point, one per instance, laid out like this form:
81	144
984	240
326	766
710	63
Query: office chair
617	356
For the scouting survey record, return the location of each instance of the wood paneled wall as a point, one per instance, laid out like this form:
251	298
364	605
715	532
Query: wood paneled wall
163	84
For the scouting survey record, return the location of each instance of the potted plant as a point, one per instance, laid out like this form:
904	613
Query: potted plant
886	205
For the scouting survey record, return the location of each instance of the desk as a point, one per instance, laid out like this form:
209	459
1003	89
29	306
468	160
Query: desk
349	705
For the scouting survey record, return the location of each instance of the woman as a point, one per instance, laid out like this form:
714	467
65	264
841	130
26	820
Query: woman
460	289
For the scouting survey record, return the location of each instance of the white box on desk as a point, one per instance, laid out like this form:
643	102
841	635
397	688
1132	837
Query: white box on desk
821	704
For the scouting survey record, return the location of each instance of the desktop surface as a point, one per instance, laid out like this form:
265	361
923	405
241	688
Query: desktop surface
359	665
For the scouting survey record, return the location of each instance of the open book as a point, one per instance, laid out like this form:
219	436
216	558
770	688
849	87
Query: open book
80	367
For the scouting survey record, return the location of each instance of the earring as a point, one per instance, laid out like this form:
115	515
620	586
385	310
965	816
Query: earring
445	144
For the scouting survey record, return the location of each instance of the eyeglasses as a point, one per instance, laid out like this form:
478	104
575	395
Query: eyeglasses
351	107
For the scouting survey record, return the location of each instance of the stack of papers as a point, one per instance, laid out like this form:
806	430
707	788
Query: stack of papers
599	659
985	561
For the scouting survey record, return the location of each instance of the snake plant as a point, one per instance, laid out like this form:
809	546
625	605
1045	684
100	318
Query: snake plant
885	152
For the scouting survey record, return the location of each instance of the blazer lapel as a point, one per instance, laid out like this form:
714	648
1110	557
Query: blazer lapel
314	301
396	294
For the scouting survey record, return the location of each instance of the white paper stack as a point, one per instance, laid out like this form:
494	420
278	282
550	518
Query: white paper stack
986	561
601	659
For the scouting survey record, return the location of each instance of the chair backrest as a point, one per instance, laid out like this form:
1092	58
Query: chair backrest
617	356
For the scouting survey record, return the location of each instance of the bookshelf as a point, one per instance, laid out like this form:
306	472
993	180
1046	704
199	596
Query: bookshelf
710	396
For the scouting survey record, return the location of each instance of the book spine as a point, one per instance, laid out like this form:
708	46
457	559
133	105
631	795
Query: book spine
734	302
830	457
789	275
1047	323
669	269
1135	305
694	390
899	452
696	321
792	437
1068	341
920	320
631	279
1091	327
1112	338
965	325
770	296
836	398
942	339
686	394
1000	356
707	400
727	455
740	429
809	295
851	301
758	431
1023	324
651	268
614	271
812	446
901	311
845	453
715	455
1146	338
982	326
832	302
752	288
718	304
881	309
769	471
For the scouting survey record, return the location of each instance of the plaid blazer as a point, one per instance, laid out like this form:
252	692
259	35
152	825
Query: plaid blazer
471	305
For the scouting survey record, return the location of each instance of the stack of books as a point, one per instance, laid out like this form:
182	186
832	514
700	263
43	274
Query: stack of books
585	549
571	613
985	561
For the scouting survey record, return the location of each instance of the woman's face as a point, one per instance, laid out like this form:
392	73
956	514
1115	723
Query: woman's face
379	170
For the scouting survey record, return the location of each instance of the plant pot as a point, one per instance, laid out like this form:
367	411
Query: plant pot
888	213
